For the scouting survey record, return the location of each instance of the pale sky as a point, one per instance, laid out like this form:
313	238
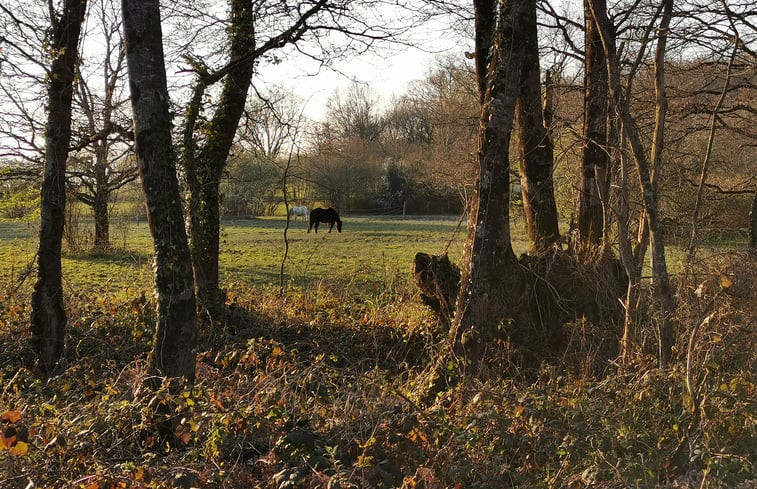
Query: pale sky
388	73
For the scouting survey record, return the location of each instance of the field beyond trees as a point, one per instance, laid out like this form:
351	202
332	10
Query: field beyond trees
321	383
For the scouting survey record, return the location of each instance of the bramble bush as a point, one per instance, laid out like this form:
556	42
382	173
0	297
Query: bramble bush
323	388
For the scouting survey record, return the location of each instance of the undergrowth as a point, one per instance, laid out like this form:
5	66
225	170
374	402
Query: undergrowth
322	387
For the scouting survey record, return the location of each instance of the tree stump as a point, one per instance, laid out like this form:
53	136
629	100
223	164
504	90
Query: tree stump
439	281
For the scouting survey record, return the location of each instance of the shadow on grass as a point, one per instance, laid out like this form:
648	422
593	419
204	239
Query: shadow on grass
319	324
114	256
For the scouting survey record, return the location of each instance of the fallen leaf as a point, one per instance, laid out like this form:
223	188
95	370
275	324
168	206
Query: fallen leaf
10	417
19	449
725	282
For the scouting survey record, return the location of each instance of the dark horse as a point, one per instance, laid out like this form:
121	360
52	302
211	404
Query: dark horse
329	215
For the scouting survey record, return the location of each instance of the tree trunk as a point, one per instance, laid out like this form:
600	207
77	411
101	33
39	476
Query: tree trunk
649	194
535	147
48	313
630	263
205	167
102	221
753	224
100	202
491	281
595	158
174	350
486	12
205	231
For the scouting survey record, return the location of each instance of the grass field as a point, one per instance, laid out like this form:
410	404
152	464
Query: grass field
371	252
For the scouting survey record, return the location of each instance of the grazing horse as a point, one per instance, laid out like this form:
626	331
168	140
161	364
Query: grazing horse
299	211
329	215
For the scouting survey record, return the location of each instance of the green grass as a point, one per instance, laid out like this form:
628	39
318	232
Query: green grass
371	251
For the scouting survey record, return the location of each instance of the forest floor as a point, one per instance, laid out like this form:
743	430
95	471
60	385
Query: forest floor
321	382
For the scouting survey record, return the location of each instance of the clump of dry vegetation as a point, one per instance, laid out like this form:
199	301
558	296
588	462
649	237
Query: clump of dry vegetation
318	388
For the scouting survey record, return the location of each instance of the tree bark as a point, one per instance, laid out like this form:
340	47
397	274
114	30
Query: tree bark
48	313
595	159
753	224
204	167
535	147
627	257
175	344
491	281
485	16
100	201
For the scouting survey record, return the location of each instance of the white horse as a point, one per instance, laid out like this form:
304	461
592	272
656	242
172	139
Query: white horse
300	210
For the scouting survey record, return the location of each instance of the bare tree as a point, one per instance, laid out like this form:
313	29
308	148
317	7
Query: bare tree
257	30
268	121
174	348
48	313
101	134
450	92
24	49
348	157
663	287
204	163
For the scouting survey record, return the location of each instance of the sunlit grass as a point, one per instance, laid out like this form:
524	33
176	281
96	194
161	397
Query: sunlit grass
371	252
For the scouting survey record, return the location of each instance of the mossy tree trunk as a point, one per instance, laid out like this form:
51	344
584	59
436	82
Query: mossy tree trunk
492	280
175	343
204	166
595	158
535	147
48	314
